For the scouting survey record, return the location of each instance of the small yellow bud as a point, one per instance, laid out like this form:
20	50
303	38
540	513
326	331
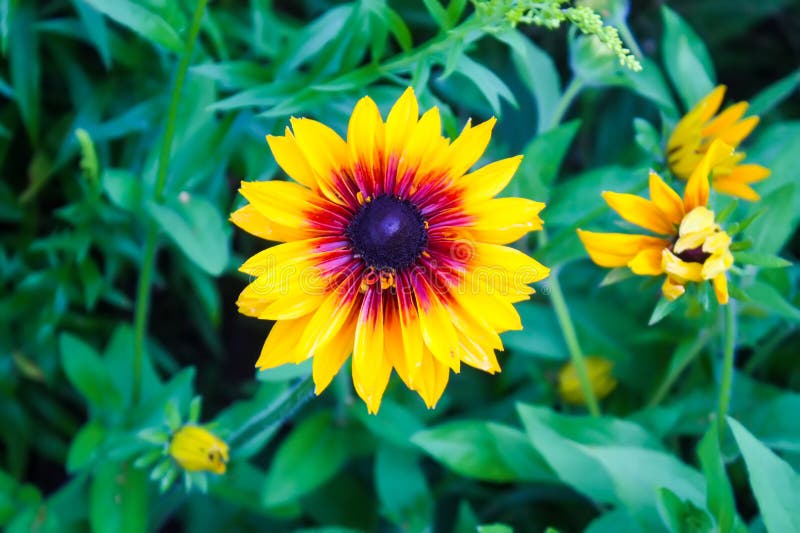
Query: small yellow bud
196	449
600	377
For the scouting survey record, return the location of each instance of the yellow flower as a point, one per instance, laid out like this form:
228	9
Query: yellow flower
699	128
393	251
197	449
691	246
600	377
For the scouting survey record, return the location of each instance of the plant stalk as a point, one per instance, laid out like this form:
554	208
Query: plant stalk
729	350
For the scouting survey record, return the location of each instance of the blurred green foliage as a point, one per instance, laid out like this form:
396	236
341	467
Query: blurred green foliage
85	117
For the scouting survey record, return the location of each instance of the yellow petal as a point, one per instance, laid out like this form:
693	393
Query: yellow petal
733	135
329	358
469	147
437	330
647	262
617	249
699	219
432	379
252	221
325	151
423	143
748	173
292	306
282	202
489	180
679	270
720	283
327	321
511	265
281	344
736	188
365	133
725	119
401	122
371	367
672	289
709	105
291	159
666	199
697	188
639	211
504	220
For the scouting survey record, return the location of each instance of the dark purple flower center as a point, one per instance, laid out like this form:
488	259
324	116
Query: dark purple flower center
388	233
694	255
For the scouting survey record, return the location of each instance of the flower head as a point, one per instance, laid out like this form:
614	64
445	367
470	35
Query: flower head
689	247
699	128
196	449
392	250
600	377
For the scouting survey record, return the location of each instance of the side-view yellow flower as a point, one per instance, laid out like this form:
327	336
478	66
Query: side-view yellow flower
196	449
393	251
689	245
601	379
699	128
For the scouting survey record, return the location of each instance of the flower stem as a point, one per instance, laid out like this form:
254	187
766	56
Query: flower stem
151	238
275	414
684	360
726	379
573	88
571	338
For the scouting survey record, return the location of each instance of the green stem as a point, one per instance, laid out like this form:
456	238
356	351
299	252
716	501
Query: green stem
674	373
726	378
573	88
151	239
629	39
571	338
276	413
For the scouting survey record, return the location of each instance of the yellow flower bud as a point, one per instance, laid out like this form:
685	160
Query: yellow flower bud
600	377
196	449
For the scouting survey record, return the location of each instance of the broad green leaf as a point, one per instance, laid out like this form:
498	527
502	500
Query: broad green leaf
772	96
768	297
95	26
647	137
615	521
85	446
662	309
235	74
315	37
495	528
761	260
490	85
394	423
770	231
402	488
87	372
539	74
542	161
686	58
483	450
540	335
719	495
775	484
119	360
593	62
118	499
195	226
312	454
23	63
123	188
141	20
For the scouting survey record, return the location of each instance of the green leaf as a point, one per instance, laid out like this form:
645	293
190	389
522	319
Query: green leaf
775	484
87	372
118	499
24	67
593	62
761	260
771	300
84	446
438	13
686	58
96	30
540	335
119	359
312	454
402	488
647	137
195	226
662	309
539	74
542	161
682	516
490	85
771	97
394	423
483	450
719	495
141	20
123	188
770	231
495	528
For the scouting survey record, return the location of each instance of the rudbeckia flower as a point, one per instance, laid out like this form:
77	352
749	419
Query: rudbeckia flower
393	251
699	128
689	246
196	449
600	378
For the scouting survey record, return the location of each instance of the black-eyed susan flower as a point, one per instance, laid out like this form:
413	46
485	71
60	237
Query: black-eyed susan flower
393	251
196	449
699	128
601	379
688	245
